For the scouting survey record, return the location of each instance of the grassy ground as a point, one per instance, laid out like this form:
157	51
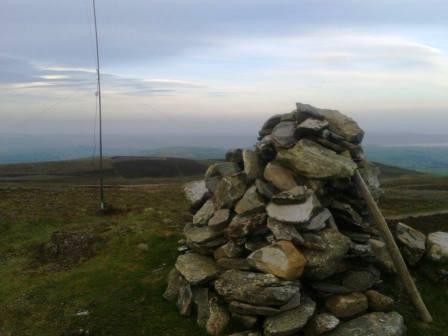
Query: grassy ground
116	290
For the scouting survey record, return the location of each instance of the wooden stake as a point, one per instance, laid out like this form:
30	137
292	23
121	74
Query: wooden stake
394	252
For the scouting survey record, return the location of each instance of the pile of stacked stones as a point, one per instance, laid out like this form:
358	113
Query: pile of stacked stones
281	242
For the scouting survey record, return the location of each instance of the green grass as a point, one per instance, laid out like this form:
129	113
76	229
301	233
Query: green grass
121	286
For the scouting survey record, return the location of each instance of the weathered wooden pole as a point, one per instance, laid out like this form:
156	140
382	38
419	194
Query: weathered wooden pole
394	252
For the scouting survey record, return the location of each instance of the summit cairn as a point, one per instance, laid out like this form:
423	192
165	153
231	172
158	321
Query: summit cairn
281	242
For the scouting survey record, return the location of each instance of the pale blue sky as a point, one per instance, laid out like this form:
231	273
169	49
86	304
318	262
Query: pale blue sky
222	66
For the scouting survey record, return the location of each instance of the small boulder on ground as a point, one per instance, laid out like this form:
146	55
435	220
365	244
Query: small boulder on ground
438	246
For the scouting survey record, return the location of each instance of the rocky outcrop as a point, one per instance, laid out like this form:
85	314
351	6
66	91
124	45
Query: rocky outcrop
280	226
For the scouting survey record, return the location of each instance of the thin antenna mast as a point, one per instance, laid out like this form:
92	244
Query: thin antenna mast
102	204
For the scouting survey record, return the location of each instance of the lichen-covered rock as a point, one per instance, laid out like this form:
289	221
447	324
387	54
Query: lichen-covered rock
412	243
293	196
372	324
253	165
241	226
200	234
291	321
359	280
294	213
323	263
438	246
281	259
250	203
347	305
196	268
229	191
204	214
310	159
321	324
280	177
378	301
284	231
255	288
218	316
219	220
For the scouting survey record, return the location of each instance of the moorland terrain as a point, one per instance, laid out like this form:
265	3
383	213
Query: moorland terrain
67	270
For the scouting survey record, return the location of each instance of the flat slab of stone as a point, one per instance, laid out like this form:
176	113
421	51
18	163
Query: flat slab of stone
438	246
292	196
255	288
312	160
202	216
294	213
200	234
281	259
196	268
291	321
372	324
311	126
284	231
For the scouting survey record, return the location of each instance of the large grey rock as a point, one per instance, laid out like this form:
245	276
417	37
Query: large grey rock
321	324
200	234
229	190
311	126
294	213
291	321
310	159
281	259
196	268
438	246
372	324
411	242
204	213
195	191
251	202
283	134
253	166
218	316
322	264
242	226
255	288
347	305
284	231
343	125
280	177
